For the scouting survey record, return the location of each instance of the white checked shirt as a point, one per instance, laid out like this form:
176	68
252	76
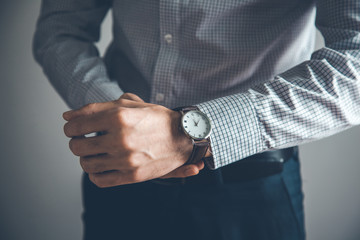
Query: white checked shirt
248	64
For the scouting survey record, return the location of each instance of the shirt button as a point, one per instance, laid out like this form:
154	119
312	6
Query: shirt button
160	97
168	38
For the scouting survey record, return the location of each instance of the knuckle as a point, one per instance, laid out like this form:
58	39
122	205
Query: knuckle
121	116
133	161
124	142
126	96
121	101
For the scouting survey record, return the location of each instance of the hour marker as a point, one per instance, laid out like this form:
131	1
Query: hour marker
199	135
185	121
185	126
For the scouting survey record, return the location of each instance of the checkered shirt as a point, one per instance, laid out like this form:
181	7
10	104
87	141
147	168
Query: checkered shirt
248	64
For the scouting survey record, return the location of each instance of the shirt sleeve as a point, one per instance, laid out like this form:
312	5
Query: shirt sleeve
64	46
313	100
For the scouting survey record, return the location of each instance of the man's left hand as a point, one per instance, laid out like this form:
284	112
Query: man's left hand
140	141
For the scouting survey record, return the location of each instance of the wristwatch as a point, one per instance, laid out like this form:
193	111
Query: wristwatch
197	126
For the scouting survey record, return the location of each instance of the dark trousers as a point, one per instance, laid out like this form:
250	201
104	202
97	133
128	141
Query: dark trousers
266	208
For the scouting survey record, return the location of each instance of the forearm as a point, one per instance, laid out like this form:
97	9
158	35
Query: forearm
308	102
64	47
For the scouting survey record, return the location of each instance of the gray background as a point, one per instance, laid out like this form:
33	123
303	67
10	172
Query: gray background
40	179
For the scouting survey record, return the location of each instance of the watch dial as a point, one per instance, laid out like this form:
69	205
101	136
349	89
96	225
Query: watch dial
196	124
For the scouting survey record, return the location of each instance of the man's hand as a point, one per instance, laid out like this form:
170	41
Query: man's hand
140	141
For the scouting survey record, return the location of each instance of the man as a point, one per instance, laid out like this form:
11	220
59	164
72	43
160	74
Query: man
247	73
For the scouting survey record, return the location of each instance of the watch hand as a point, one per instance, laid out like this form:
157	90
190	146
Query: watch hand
196	123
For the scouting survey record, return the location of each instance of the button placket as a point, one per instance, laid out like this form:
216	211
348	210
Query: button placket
167	57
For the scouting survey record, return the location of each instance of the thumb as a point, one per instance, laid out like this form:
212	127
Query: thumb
131	96
185	171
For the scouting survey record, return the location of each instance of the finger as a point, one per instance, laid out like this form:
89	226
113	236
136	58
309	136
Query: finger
182	172
97	107
104	162
125	176
110	178
86	124
115	178
98	163
88	110
131	96
185	171
87	146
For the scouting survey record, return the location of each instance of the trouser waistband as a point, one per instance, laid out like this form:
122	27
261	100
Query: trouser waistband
253	167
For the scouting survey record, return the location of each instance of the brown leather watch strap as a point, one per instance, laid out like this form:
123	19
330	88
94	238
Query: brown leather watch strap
199	150
186	108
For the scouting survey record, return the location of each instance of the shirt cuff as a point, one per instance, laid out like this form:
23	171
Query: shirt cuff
236	133
103	92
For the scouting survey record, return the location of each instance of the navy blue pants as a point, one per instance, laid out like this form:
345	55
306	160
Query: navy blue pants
266	208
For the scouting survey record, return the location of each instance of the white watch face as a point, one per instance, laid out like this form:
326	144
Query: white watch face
196	124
